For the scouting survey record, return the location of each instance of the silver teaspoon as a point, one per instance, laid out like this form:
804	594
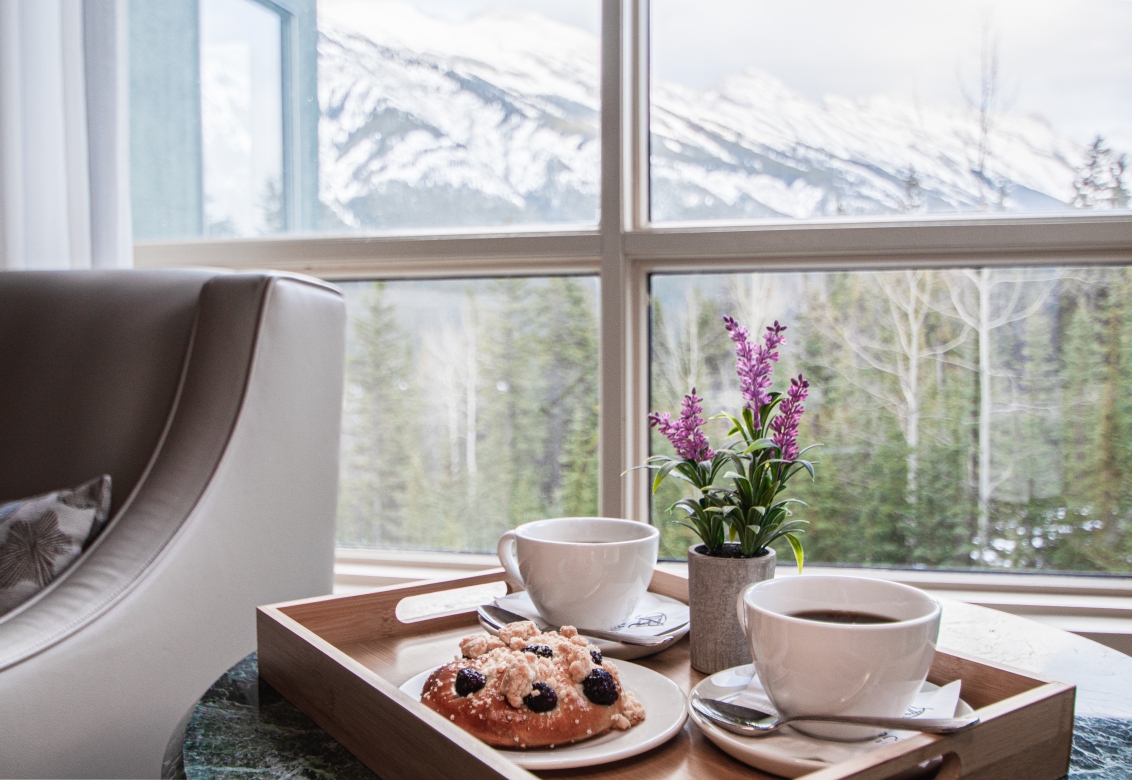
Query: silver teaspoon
750	722
499	617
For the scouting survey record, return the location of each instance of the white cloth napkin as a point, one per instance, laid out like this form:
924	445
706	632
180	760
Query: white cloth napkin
934	703
653	615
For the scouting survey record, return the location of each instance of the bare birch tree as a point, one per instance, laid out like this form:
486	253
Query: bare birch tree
982	318
450	371
680	357
470	381
987	104
897	347
758	300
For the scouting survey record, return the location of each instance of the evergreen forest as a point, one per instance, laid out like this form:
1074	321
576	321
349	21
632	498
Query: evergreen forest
470	407
969	418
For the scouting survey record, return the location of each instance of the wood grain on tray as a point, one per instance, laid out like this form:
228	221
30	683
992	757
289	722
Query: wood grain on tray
340	660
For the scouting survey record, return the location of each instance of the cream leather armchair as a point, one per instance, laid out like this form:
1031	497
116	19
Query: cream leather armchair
213	400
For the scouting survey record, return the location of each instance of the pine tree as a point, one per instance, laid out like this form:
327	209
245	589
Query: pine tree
377	426
1102	183
1083	369
567	339
513	395
913	202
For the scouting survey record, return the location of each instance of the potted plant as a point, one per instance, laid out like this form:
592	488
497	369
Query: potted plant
736	510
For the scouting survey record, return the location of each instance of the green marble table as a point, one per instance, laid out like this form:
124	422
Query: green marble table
243	728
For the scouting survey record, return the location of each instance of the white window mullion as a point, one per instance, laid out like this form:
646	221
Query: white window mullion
482	254
612	456
634	274
635	430
624	284
636	57
1092	239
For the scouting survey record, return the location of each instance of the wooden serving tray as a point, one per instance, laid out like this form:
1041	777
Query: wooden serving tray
340	659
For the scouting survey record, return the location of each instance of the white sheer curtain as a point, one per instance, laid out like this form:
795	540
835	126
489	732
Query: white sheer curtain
64	143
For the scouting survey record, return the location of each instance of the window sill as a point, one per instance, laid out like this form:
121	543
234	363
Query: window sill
1097	608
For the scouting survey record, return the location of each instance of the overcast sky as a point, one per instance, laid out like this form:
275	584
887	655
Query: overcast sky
1069	61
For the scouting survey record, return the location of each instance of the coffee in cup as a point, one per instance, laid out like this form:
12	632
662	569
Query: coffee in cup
835	645
589	572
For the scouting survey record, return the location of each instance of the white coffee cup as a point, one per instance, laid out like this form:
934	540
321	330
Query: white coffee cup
809	667
588	572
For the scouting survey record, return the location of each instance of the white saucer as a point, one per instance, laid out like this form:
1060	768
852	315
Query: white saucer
665	712
521	604
785	752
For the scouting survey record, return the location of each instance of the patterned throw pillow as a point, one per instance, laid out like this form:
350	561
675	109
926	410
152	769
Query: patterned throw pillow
41	536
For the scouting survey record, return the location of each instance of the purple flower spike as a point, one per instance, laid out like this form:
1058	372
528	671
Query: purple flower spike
785	423
685	434
753	364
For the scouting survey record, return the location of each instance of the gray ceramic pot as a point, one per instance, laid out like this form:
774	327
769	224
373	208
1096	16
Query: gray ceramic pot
713	586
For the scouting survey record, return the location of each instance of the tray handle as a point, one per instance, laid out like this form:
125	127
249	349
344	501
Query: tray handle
373	614
1027	736
663	583
380	607
948	766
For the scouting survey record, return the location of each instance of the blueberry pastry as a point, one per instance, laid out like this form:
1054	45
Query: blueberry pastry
524	688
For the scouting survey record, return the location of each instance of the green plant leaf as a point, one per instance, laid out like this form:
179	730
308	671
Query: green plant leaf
796	546
804	450
750	430
791	527
736	426
760	444
661	473
786	501
807	466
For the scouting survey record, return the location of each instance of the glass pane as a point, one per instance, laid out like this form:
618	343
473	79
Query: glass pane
968	417
241	89
448	114
779	110
471	406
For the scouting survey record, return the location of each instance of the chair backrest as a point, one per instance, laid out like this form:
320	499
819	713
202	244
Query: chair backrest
90	364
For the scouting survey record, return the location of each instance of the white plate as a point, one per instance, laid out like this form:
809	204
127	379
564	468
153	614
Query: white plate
665	712
785	752
608	649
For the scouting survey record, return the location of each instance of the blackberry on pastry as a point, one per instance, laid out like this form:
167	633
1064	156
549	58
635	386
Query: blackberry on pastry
524	688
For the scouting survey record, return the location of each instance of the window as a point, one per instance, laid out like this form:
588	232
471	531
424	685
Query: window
241	88
458	151
425	116
969	417
440	115
223	118
830	109
470	406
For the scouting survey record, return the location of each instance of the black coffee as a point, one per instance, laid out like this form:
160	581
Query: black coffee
841	616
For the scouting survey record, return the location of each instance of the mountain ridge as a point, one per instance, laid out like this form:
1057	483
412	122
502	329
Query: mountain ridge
495	121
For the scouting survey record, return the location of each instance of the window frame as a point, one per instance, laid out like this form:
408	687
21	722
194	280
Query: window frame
625	248
298	49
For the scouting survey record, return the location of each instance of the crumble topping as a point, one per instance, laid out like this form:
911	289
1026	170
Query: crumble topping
632	708
514	661
475	646
518	679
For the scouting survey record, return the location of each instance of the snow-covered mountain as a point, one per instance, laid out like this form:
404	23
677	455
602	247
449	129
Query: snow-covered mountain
752	147
495	121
